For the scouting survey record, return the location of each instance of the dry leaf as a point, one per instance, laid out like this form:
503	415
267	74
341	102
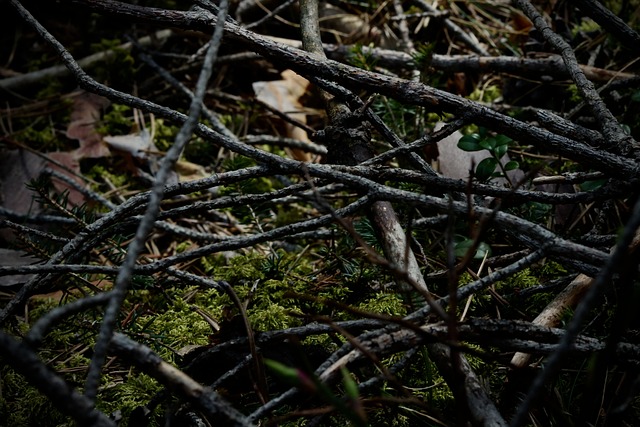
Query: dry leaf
284	96
19	167
84	116
138	149
70	163
14	258
137	144
347	27
188	171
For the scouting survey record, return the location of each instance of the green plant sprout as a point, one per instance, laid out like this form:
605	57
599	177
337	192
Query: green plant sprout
362	58
463	244
311	384
423	55
497	146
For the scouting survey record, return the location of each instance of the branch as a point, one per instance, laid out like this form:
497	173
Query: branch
67	400
207	400
60	71
628	38
608	124
413	93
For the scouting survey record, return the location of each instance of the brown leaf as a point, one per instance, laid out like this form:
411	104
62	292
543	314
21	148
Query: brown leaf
284	95
84	116
19	167
14	258
70	163
347	27
188	171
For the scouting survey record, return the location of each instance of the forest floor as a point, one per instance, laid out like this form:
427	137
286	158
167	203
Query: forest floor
421	213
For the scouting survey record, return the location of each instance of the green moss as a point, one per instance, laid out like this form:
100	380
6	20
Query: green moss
213	262
423	378
183	246
161	315
118	120
243	269
288	215
41	306
271	316
271	284
118	69
587	25
433	118
23	405
99	172
552	269
464	279
484	301
40	135
165	135
384	303
383	419
523	279
324	341
575	96
486	94
232	121
137	389
169	331
174	324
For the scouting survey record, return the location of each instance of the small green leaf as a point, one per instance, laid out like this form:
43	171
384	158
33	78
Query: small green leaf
488	143
293	376
284	371
592	185
511	165
461	248
350	386
500	150
423	55
485	168
469	143
483	250
503	140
